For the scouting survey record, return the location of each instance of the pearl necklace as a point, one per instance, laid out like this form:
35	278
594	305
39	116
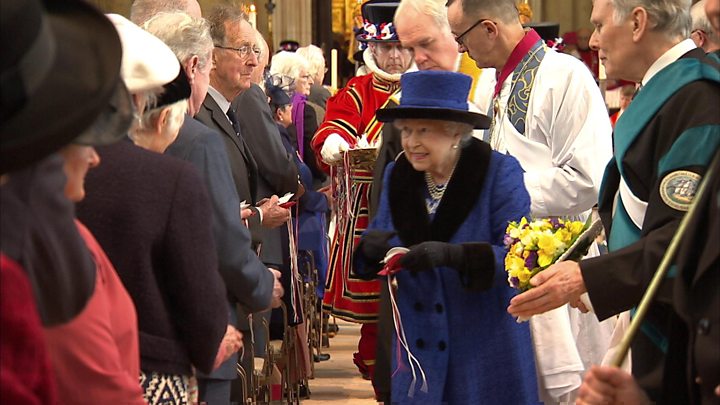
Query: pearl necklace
435	190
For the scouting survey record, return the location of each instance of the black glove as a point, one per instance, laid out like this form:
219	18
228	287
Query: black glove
371	250
474	261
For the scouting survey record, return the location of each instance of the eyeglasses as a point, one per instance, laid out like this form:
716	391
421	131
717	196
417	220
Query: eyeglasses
243	51
306	77
459	38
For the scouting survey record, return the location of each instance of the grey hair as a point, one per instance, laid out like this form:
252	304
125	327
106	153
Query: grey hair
432	8
670	17
504	10
288	64
314	57
217	18
465	130
143	10
261	44
186	36
701	22
175	117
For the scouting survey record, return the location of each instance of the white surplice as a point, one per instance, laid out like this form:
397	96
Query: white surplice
564	151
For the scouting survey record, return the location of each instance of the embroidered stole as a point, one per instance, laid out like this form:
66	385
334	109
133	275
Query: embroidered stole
522	84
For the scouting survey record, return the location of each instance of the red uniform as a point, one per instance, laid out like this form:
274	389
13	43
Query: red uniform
350	114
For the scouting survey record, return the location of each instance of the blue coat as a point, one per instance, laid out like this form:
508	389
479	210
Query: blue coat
471	350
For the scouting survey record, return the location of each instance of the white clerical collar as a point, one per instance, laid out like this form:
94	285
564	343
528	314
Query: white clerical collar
668	57
219	99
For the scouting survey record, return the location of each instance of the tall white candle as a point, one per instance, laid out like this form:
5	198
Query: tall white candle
333	69
601	71
252	17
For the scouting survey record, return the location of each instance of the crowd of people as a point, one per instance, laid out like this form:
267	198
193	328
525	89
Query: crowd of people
175	195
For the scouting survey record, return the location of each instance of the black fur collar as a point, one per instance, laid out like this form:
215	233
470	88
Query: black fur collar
407	196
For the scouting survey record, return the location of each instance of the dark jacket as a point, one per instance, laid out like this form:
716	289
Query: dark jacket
152	216
246	278
242	163
276	172
697	300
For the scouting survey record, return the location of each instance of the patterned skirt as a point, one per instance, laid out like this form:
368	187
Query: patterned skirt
347	296
164	389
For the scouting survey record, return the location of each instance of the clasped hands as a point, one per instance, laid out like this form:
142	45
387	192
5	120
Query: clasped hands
273	215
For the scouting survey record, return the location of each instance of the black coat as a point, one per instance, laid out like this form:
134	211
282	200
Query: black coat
151	214
697	299
277	173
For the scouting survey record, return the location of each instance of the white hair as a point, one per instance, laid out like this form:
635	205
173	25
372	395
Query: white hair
143	10
175	117
701	22
670	17
432	8
261	44
465	130
315	58
288	64
186	36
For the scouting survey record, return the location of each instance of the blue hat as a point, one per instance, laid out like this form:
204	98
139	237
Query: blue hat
434	95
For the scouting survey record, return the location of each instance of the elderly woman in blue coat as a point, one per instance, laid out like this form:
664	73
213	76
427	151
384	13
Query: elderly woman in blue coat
448	198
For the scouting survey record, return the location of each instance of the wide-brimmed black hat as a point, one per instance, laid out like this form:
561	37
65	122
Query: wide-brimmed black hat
378	24
60	67
434	95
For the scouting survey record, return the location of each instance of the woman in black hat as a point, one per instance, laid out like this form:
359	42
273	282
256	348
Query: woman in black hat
449	198
60	81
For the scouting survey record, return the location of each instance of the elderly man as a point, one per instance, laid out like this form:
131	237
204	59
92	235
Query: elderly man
349	123
246	277
702	33
235	56
550	115
652	180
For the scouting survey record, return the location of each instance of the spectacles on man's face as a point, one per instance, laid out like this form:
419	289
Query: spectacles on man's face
243	51
459	38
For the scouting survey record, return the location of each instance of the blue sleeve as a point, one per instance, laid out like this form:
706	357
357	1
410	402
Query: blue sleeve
246	277
510	201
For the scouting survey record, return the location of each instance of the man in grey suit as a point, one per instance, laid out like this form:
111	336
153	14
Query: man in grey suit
235	55
277	173
248	280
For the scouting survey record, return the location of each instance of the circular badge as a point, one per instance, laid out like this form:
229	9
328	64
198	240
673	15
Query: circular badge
678	188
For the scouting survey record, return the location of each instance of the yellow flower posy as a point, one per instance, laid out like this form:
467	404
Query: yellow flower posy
535	245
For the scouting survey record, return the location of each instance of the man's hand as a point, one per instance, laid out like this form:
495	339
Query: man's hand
246	213
278	290
332	149
231	343
553	287
273	215
610	385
